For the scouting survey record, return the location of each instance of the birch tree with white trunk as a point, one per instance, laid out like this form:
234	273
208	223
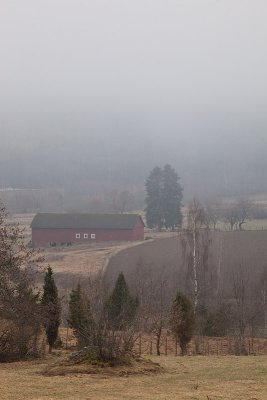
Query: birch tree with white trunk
195	222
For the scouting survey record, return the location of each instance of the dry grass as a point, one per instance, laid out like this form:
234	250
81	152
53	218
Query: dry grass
83	259
256	224
140	366
192	378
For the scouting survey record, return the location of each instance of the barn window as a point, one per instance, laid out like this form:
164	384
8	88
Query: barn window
92	235
78	235
85	236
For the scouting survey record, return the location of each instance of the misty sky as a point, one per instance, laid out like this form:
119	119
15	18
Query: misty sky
104	79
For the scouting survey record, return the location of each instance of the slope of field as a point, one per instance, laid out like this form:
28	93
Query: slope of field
230	254
186	378
243	255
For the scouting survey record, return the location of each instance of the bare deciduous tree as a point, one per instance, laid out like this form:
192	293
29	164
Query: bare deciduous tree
195	223
262	290
153	294
237	214
197	243
121	201
243	212
212	215
245	311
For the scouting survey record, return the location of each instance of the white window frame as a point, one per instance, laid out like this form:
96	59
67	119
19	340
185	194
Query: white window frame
78	236
92	235
85	235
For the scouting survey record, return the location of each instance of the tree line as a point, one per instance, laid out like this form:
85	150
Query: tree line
164	195
107	332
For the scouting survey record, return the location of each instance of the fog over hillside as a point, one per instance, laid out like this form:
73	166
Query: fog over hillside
95	93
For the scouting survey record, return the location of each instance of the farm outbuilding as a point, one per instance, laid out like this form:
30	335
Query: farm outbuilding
57	229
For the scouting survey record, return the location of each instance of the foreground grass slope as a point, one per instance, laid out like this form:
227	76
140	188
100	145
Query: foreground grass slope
192	378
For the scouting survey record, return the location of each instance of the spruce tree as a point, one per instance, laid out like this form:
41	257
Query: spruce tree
80	316
154	212
51	308
182	320
172	194
121	306
164	198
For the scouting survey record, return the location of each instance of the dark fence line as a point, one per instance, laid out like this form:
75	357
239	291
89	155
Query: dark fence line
146	344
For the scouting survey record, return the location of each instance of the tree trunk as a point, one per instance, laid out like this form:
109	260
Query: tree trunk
183	349
195	270
264	306
240	225
158	342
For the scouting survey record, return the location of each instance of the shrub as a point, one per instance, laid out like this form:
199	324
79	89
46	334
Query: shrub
182	320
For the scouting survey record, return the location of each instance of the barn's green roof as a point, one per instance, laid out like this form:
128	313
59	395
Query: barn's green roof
84	221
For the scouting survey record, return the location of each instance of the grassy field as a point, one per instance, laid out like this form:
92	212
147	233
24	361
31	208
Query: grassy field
250	224
256	224
192	378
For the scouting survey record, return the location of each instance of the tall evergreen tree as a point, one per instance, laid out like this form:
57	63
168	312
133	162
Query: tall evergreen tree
121	306
154	211
164	198
182	320
80	316
171	197
51	308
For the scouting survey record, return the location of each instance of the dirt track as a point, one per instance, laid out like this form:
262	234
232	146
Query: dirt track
84	260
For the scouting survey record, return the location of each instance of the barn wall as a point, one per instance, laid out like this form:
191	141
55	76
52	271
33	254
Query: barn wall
138	231
43	237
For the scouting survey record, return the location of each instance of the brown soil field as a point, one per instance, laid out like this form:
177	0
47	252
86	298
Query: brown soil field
183	378
228	253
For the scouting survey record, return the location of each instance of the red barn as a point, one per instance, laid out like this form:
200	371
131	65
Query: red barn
56	229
